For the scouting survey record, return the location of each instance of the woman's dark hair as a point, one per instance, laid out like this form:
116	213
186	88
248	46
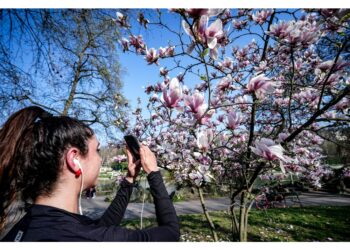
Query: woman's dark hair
32	145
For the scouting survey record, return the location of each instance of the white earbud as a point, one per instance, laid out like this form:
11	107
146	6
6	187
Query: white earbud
77	162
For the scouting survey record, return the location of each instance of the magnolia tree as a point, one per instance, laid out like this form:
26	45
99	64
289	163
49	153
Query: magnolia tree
243	94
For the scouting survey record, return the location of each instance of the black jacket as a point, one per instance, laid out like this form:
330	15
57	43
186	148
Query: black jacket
45	223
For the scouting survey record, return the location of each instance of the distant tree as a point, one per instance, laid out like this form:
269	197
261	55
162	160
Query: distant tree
336	146
64	61
119	165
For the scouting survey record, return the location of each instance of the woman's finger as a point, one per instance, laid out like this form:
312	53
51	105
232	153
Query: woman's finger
129	155
142	153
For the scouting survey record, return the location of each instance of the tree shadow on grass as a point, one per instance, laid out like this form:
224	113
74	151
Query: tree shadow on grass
305	224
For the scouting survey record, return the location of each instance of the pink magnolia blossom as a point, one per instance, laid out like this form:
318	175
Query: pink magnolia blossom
161	52
215	101
154	116
142	20
196	177
329	114
194	102
151	56
198	107
302	33
262	67
185	90
163	71
119	158
261	85
195	13
282	137
308	96
202	87
239	24
261	16
346	172
213	32
269	150
174	95
149	89
241	54
279	92
208	35
225	83
166	52
315	139
203	115
125	43
333	80
226	64
154	98
327	65
180	77
281	102
169	51
121	20
315	175
204	139
297	33
242	101
137	43
200	175
343	105
234	120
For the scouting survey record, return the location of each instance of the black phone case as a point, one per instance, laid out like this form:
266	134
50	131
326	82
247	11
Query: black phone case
133	145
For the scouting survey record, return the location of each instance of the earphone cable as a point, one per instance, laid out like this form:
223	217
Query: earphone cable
143	205
81	191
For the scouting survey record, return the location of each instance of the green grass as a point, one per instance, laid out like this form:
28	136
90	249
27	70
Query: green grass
280	224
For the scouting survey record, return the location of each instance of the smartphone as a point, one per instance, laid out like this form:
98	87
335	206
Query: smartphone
133	145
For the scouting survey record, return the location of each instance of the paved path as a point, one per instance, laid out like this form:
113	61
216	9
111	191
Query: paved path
95	207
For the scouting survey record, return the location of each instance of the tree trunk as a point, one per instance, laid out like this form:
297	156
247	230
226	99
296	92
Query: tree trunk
234	223
207	216
242	219
69	101
245	233
77	74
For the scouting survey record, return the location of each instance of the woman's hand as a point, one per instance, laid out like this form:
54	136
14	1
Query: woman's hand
134	167
148	159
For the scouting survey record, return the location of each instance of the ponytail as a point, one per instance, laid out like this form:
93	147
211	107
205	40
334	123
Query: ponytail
32	145
11	133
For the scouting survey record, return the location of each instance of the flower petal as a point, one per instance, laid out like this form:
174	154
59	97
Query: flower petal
212	42
186	27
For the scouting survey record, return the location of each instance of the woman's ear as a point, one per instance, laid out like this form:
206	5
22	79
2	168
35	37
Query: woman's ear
72	160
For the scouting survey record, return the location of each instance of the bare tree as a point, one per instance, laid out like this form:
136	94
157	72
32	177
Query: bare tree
64	61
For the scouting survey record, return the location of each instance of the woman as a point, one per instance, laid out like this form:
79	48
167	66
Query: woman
48	161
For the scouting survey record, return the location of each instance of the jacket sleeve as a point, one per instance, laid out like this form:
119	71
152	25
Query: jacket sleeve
116	210
168	228
165	211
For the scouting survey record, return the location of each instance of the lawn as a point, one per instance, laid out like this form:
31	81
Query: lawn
306	224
